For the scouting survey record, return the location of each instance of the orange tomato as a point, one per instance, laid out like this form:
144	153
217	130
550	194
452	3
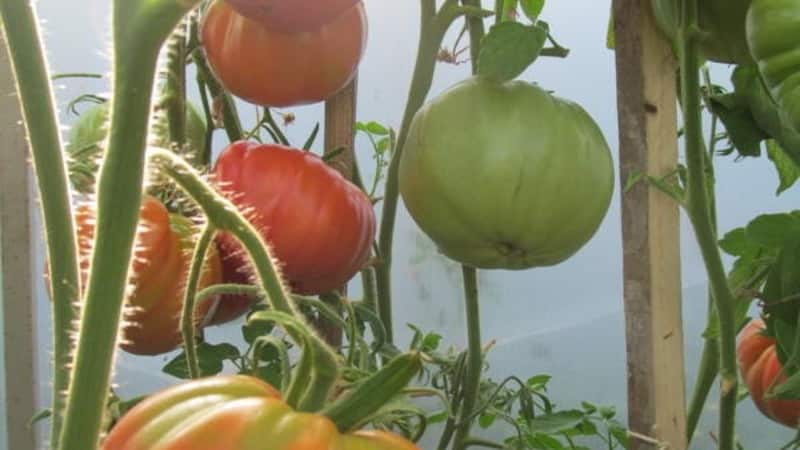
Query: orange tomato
761	370
268	67
162	256
292	16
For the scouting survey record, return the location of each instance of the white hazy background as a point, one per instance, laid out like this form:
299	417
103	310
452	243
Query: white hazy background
567	320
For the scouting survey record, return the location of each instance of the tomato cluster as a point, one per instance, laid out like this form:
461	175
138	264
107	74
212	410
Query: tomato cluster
279	53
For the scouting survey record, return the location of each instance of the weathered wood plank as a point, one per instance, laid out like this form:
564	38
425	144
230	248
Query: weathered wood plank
646	83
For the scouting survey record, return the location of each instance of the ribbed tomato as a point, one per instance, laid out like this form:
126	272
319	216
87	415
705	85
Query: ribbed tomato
761	369
268	67
319	225
234	412
292	16
160	266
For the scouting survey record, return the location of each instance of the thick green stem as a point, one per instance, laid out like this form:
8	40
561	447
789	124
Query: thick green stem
140	29
433	28
707	373
38	107
698	208
187	316
476	32
474	366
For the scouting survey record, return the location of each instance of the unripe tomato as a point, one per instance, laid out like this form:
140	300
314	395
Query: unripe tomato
773	32
761	371
319	225
268	67
722	23
234	412
162	254
506	175
292	16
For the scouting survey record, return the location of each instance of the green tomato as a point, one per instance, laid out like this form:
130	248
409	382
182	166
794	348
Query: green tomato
773	33
722	22
85	140
506	176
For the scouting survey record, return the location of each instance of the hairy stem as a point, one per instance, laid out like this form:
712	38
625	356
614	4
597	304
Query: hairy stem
187	315
38	107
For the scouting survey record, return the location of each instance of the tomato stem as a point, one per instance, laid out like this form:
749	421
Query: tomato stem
434	26
698	209
140	28
38	107
472	377
174	98
230	116
187	316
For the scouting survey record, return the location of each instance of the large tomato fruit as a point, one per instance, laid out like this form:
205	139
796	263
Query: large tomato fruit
723	24
773	33
161	262
234	412
761	370
506	175
292	16
319	225
271	68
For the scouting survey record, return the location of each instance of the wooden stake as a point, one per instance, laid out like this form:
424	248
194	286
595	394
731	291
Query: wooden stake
646	84
340	120
15	267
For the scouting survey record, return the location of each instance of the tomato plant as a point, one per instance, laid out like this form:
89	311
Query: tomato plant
268	67
234	412
722	23
489	172
319	225
152	320
762	371
292	16
773	32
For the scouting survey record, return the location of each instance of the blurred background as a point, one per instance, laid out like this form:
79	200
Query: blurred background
566	321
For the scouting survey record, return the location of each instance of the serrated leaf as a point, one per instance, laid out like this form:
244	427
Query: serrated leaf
736	242
210	360
788	171
486	420
538	382
509	49
743	131
773	230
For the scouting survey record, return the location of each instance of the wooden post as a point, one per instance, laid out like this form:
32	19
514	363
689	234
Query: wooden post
16	265
340	119
646	78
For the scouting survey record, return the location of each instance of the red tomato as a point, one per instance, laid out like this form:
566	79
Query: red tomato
292	16
320	226
270	68
760	367
234	412
161	263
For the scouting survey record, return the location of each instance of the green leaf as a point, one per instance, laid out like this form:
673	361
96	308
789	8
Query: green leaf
773	230
737	243
788	171
373	128
509	49
789	389
743	131
210	359
253	330
486	420
556	422
538	382
532	8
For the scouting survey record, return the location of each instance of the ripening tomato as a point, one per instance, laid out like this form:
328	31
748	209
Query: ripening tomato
234	412
271	68
292	16
161	262
319	225
761	370
506	175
